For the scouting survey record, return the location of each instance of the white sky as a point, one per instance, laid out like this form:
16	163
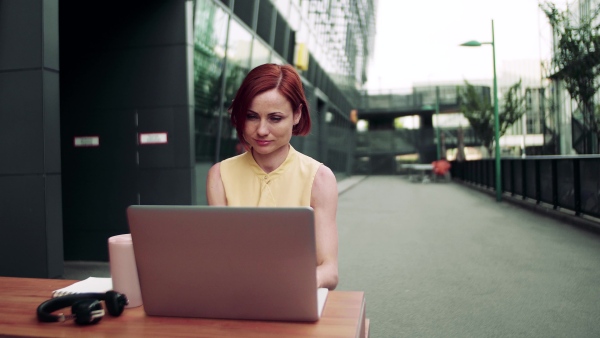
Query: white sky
418	41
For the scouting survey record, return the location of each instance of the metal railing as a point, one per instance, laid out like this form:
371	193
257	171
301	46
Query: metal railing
563	182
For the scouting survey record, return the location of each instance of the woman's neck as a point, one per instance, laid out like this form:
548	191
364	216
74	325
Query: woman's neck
272	161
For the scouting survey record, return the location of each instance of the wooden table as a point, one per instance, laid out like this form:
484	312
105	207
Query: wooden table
343	316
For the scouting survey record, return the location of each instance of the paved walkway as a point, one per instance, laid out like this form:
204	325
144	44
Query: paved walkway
443	260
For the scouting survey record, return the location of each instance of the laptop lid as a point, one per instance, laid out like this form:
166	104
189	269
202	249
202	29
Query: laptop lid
226	262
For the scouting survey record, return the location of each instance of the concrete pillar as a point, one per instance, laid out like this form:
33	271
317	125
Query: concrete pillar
30	169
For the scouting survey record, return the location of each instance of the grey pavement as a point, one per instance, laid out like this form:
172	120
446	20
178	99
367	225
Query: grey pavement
444	260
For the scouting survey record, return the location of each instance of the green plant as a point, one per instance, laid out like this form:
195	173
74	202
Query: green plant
576	59
480	112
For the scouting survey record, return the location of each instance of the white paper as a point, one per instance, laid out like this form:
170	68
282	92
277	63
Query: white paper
321	298
91	284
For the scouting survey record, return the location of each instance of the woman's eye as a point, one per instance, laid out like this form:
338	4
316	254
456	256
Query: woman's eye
276	118
251	117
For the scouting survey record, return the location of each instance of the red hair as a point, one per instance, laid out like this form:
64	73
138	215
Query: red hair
262	79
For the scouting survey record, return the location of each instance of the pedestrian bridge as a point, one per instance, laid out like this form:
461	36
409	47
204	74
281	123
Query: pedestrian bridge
447	260
383	141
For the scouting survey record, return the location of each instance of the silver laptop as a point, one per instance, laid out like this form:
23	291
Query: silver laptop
227	262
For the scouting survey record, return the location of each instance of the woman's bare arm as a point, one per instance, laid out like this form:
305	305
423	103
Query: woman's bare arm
324	199
215	192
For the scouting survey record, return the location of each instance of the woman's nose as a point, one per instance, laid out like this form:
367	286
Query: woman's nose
263	128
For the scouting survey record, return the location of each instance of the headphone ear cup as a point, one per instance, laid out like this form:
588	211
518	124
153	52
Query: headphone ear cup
115	303
87	311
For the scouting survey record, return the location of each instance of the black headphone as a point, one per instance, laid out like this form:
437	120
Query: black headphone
85	307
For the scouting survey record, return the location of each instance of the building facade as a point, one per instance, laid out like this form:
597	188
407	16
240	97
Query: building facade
110	104
328	41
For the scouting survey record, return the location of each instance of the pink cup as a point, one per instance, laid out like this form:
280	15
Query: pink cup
123	269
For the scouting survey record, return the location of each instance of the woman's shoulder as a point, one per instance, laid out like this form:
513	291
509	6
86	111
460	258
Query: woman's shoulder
226	163
325	175
214	171
234	161
307	159
324	187
235	158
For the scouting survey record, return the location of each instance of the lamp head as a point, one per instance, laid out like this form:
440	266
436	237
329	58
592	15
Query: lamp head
471	43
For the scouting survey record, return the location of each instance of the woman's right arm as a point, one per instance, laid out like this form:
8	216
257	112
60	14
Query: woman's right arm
215	191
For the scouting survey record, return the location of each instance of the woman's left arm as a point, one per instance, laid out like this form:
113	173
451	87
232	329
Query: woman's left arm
324	200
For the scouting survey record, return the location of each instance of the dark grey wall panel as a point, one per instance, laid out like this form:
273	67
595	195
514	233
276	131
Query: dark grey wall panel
94	203
167	186
115	129
30	167
51	119
20	34
125	69
88	245
177	151
22	213
122	24
50	34
143	77
158	155
21	123
54	225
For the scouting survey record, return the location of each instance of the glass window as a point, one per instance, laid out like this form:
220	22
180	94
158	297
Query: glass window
277	60
303	33
260	54
238	65
283	6
210	29
245	11
294	19
265	18
238	53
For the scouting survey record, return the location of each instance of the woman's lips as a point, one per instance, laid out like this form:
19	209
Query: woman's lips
262	143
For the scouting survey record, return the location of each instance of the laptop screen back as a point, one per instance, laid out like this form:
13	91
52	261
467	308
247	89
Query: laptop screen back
226	262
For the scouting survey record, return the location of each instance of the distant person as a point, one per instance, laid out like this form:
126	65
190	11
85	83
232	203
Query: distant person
441	168
268	109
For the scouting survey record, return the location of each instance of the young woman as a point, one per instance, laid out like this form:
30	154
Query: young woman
268	109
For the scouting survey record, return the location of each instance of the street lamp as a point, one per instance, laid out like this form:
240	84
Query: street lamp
437	123
496	117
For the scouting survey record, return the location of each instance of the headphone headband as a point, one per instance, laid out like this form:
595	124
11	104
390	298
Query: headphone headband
85	307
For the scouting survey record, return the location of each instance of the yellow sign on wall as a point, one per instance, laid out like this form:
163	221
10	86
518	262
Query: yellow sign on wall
301	56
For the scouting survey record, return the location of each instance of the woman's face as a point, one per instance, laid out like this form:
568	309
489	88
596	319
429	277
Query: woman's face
269	122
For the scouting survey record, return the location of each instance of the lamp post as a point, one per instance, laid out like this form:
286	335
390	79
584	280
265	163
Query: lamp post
437	123
496	117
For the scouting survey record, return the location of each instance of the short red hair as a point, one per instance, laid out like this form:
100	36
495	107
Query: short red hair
262	79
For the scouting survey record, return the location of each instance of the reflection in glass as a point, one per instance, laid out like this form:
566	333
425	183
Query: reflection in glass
210	29
260	54
238	65
277	60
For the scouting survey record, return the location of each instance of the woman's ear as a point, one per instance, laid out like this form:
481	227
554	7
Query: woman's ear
298	114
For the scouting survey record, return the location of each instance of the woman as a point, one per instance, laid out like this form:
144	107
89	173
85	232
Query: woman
267	110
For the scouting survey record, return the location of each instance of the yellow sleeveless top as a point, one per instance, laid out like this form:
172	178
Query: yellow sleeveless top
290	185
